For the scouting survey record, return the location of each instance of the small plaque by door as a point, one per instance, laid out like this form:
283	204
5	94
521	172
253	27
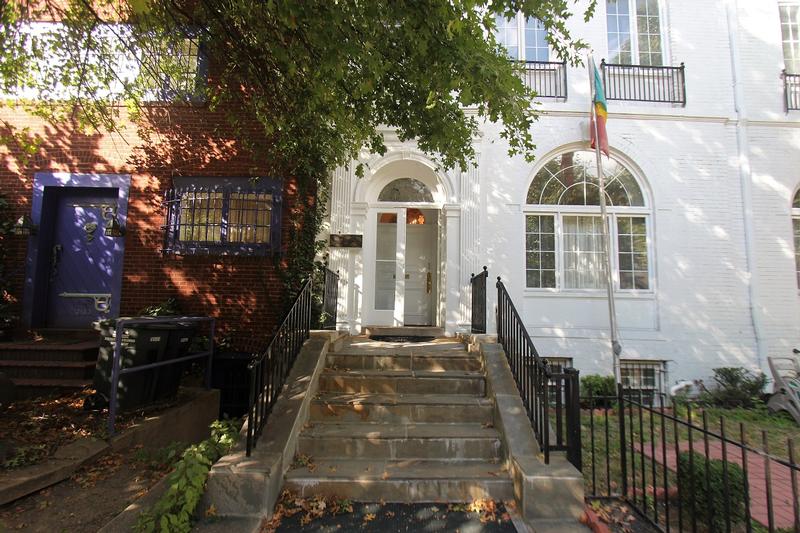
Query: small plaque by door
346	241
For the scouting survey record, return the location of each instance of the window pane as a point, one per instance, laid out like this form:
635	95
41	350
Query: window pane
583	253
386	261
540	251
201	216
632	253
249	217
535	41
619	31
406	190
648	32
790	33
507	35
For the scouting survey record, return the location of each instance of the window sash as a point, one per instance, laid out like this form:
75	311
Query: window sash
790	36
635	32
524	39
796	232
582	280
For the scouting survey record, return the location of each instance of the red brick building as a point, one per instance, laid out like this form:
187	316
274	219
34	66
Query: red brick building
216	248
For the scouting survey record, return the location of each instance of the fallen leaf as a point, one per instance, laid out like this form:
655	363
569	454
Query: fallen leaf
369	517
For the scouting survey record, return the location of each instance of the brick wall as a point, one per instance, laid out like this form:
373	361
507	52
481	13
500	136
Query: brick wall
244	293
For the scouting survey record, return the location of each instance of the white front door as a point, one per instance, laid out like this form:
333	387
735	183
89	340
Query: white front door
419	274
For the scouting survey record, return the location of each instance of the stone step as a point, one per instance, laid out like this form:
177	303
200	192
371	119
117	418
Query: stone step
401	441
48	369
401	408
431	363
403	382
401	481
32	351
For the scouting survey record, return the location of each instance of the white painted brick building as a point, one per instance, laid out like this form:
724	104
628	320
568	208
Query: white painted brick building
717	177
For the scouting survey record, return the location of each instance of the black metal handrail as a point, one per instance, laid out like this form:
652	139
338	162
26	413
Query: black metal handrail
547	78
478	314
644	83
269	369
330	298
552	399
791	91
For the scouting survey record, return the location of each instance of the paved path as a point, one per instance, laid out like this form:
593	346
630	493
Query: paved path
780	474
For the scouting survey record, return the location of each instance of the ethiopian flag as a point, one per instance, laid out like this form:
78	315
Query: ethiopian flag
599	113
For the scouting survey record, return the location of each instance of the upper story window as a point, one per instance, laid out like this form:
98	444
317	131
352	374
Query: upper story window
635	32
790	35
525	39
563	228
175	71
223	216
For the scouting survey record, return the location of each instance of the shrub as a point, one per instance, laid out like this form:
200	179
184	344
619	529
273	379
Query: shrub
709	499
173	512
602	388
735	387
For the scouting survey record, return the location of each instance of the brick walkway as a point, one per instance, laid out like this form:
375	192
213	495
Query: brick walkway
782	507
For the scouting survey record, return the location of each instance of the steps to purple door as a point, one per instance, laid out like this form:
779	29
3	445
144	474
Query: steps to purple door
50	361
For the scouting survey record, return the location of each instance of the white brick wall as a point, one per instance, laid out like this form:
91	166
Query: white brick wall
699	315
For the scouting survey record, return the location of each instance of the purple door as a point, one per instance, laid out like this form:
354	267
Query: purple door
82	259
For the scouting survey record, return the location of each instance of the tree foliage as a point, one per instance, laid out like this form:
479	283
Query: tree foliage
320	78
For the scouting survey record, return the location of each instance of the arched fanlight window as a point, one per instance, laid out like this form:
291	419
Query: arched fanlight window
564	231
406	190
571	179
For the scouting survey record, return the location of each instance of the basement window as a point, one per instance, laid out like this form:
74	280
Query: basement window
643	378
231	216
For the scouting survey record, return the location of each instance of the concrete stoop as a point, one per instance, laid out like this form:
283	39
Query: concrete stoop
437	421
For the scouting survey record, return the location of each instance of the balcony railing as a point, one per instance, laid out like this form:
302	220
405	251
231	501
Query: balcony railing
644	83
547	78
791	91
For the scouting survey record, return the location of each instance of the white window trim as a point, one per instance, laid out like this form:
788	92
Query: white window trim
666	55
613	212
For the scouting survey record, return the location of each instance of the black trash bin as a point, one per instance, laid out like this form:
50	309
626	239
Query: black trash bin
141	344
168	377
230	375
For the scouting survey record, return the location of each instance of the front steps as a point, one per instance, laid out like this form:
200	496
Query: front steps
401	422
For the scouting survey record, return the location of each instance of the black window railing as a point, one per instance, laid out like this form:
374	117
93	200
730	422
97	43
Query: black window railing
551	399
644	83
478	310
791	91
330	298
547	78
269	369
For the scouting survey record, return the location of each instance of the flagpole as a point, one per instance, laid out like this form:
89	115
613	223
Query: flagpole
616	348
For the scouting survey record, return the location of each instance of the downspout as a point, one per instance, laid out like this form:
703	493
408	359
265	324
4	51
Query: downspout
745	178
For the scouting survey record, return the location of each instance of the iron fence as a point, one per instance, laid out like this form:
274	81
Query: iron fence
547	78
478	314
644	83
791	91
330	298
684	471
269	369
551	399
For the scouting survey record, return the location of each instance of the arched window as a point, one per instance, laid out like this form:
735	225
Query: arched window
406	190
563	229
796	231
